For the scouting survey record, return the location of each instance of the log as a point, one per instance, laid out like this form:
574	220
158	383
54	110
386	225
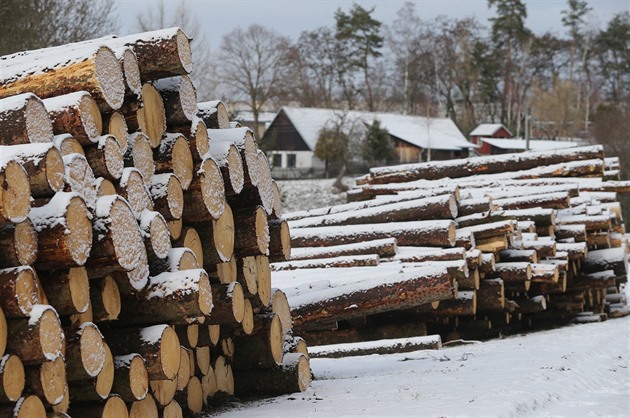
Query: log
216	238
440	207
191	399
161	53
140	155
76	114
514	256
263	347
464	304
64	69
228	159
158	345
68	290
491	295
263	281
173	156
188	335
12	378
144	408
180	99
543	248
67	144
532	305
214	114
64	231
24	118
170	297
544	273
244	140
113	407
467	207
18	291
513	273
163	390
116	126
177	259
264	183
131	379
247	275
190	239
151	117
277	200
197	135
184	373
558	200
105	157
27	407
440	233
38	338
481	165
229	301
80	178
85	352
132	188
224	376
104	187
167	195
386	247
347	261
608	259
202	360
251	232
105	299
157	240
403	345
294	375
15	193
43	164
591	223
575	232
205	198
420	254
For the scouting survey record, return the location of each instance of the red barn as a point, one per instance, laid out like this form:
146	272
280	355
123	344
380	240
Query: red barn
488	130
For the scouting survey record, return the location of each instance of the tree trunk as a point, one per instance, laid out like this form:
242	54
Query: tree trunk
216	238
251	232
146	408
229	301
27	407
18	291
263	347
43	164
85	352
293	375
167	195
104	299
106	157
205	198
131	379
404	345
25	120
68	290
214	114
227	157
491	295
12	378
76	114
180	99
38	338
157	239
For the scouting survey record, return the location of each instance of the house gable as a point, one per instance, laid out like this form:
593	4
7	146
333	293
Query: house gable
283	136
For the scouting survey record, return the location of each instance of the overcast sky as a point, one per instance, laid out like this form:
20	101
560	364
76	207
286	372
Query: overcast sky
290	18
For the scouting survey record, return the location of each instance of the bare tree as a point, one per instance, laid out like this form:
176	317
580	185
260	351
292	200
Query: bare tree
253	65
204	70
32	24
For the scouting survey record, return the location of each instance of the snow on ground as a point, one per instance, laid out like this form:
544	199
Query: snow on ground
312	193
575	371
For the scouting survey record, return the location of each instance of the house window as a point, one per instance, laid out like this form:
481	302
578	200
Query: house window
290	160
277	160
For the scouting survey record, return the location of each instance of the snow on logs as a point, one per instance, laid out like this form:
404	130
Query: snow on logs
142	268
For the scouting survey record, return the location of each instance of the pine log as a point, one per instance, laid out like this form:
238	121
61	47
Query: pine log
544	273
440	207
247	275
228	302
85	352
280	307
158	345
64	231
76	114
67	144
12	378
202	360
591	223
263	281
293	375
190	239
131	281
540	216
383	248
481	165
422	254
105	299
224	375
224	272
532	305
558	200
514	256
24	118
251	232
113	407
173	156
188	335
440	233
170	297
104	187
151	117
131	380
43	164
263	347
347	261
217	238
116	126
191	399
180	99
244	140
145	408
513	273
80	178
468	207
208	386
132	188
265	183
163	390
277	200
26	407
177	259
543	248
615	259
491	295
38	338
18	291
68	290
228	159
168	196
464	304
15	193
105	157
140	155
403	345
214	114
184	373
63	69
205	198
161	53
157	240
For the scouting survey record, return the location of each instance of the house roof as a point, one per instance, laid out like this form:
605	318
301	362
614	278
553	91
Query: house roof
488	129
248	116
438	133
534	144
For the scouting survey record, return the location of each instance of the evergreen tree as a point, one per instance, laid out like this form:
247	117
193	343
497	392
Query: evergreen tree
377	146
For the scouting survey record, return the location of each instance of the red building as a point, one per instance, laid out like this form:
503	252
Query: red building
488	130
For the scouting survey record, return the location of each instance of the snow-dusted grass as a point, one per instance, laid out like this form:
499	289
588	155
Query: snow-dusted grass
312	193
575	371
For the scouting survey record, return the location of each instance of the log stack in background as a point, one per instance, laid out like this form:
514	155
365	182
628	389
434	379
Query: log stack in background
469	248
136	229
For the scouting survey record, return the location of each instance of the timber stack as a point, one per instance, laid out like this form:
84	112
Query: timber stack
469	248
136	227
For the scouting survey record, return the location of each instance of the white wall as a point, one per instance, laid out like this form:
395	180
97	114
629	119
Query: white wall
303	159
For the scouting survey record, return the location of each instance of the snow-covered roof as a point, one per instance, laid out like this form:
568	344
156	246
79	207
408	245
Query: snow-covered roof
488	129
534	144
415	130
248	116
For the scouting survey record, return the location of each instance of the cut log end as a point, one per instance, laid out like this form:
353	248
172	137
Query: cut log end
138	378
169	352
105	378
79	231
131	71
52	375
152	117
78	282
182	162
223	234
175	197
38	125
15	193
110	77
184	51
51	337
276	339
29	407
145	408
25	243
12	377
115	408
303	373
54	169
90	116
92	350
212	188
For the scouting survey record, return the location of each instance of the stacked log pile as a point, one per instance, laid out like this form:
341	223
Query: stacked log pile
464	248
136	228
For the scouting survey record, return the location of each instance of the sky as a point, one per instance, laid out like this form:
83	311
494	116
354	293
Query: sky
290	18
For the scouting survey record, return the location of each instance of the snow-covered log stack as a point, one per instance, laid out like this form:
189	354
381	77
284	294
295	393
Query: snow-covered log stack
463	248
136	229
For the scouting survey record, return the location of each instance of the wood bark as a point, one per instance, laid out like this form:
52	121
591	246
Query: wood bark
491	295
205	198
68	290
229	302
405	345
214	114
293	375
167	195
37	338
180	99
173	155
76	114
43	164
384	248
25	120
251	232
263	347
131	379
